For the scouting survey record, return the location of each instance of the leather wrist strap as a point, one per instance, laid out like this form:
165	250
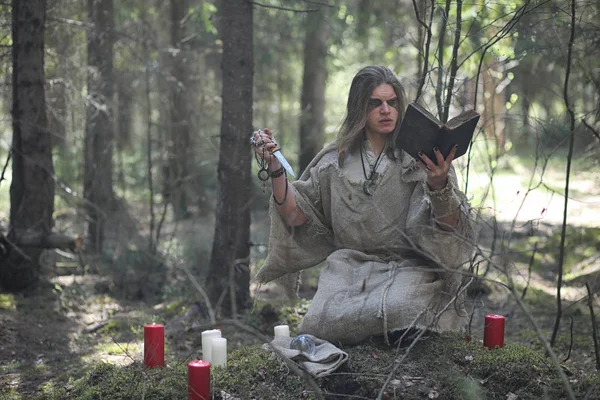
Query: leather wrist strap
278	173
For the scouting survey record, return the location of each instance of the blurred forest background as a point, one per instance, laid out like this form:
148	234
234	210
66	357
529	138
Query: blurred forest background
128	191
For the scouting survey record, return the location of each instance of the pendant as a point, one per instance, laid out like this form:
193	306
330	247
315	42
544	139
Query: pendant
368	188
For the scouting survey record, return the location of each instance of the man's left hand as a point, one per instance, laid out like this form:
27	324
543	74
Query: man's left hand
437	175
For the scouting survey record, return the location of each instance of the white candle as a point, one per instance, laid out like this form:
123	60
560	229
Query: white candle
282	330
207	336
219	352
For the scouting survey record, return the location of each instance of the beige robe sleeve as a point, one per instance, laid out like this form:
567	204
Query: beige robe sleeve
294	249
447	249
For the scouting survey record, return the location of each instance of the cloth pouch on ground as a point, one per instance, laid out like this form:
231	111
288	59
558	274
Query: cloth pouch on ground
325	360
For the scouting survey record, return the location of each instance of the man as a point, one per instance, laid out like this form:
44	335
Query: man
392	230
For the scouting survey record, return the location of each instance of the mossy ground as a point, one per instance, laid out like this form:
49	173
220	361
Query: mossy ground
442	366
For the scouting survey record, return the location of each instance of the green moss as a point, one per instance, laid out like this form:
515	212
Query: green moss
255	373
107	381
444	365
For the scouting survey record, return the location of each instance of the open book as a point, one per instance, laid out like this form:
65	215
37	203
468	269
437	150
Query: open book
421	131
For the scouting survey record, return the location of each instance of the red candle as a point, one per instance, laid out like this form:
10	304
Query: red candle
199	380
493	334
154	345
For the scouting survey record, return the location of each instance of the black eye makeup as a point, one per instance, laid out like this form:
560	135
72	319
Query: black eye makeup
374	103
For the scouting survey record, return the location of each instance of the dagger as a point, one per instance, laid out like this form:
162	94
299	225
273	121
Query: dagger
284	163
276	151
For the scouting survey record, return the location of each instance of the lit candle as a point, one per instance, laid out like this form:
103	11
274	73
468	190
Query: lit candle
219	352
493	334
154	345
199	380
207	336
282	330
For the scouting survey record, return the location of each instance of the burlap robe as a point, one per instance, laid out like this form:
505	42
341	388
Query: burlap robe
388	266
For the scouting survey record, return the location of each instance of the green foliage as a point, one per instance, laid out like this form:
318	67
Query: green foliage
7	302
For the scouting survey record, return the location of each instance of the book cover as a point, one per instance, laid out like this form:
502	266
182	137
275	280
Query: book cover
421	131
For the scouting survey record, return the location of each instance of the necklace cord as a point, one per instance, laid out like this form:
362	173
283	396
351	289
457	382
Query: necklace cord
375	165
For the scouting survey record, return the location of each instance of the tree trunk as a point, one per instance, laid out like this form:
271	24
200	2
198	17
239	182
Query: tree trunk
32	186
312	119
229	266
123	110
179	111
98	180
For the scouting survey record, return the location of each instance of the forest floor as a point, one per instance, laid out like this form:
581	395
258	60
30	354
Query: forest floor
55	333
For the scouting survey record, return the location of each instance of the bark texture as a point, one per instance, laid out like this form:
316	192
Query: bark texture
312	120
99	135
179	144
32	186
229	267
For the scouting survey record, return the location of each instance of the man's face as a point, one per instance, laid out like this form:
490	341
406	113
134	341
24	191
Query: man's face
382	112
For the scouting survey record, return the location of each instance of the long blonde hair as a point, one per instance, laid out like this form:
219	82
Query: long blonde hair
350	136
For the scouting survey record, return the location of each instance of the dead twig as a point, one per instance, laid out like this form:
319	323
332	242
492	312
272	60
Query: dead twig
587	125
563	233
571	342
283	8
211	311
454	60
5	167
594	333
529	270
425	71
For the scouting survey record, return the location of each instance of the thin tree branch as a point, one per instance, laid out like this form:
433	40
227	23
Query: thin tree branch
319	3
497	37
2	178
209	307
594	333
427	47
416	340
547	345
506	29
531	260
151	242
282	8
163	216
587	125
503	31
571	340
563	234
440	77
454	61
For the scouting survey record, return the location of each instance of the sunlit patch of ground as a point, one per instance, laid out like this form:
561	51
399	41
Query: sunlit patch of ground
514	198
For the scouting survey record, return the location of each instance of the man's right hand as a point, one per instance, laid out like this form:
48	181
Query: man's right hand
263	144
